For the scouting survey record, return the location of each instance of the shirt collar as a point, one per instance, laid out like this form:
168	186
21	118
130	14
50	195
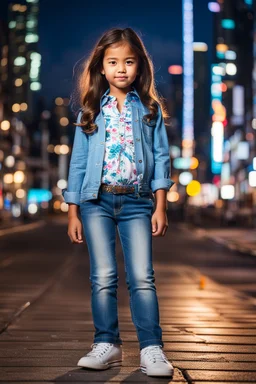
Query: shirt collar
106	97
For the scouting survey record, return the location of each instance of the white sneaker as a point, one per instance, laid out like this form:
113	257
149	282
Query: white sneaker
102	356
153	361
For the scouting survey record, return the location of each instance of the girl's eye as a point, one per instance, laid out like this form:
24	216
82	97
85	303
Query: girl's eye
112	62
129	62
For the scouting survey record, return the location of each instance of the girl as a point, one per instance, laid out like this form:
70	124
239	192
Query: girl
119	160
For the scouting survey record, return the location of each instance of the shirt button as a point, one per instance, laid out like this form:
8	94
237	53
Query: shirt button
137	139
140	161
94	194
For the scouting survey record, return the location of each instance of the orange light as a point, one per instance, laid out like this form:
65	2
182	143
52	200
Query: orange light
216	117
187	143
221	47
58	101
223	87
194	163
172	196
202	282
249	136
218	203
175	69
219	111
56	204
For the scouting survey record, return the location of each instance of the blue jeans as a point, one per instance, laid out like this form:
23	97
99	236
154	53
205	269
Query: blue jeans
131	215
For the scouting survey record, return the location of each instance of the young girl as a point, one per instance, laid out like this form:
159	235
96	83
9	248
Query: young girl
118	179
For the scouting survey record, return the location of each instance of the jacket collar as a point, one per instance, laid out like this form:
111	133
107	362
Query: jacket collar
105	97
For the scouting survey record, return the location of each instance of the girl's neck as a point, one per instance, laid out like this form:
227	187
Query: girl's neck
119	93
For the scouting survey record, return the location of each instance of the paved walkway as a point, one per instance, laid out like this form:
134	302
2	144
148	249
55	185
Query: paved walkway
238	239
209	330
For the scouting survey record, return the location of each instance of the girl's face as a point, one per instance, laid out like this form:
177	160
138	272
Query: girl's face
120	66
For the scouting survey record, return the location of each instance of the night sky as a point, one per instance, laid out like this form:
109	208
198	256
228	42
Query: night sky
68	31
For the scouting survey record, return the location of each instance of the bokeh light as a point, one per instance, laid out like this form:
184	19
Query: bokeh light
193	188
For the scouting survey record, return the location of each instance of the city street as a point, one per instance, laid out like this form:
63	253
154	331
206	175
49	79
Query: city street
154	101
206	296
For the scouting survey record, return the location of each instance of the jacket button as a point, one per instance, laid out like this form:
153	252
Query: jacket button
137	139
140	161
94	194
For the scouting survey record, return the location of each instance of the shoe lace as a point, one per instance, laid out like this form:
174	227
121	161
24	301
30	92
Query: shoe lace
99	349
155	354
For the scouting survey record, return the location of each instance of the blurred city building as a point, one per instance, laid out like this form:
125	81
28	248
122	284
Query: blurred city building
19	71
232	133
201	111
220	171
32	159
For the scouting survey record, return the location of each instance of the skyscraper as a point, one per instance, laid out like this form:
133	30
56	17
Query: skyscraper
24	61
231	98
20	73
201	108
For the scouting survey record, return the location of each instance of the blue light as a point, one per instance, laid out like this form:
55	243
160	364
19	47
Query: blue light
38	195
230	55
220	55
188	72
216	167
7	204
228	24
248	2
216	94
182	162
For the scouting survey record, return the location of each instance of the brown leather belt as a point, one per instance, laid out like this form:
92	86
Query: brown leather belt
116	189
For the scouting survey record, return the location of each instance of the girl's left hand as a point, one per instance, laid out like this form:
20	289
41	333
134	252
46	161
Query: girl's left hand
159	223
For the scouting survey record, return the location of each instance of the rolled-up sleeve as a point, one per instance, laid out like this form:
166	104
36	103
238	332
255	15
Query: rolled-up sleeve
161	178
77	166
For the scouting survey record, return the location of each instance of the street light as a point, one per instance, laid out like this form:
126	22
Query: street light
5	125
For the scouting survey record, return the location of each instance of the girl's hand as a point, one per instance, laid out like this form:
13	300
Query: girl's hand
75	230
159	223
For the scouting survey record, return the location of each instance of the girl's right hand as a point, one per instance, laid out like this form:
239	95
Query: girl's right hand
75	230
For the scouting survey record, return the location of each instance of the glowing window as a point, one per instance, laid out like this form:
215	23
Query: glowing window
20	60
35	86
228	24
12	24
31	38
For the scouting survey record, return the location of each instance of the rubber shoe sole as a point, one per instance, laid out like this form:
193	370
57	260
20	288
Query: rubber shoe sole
156	373
101	367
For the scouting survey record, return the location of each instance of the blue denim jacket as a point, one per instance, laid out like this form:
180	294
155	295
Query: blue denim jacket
151	156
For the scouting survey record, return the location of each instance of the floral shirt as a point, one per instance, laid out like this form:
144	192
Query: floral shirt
119	161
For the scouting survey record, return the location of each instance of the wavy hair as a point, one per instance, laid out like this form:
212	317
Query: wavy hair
91	85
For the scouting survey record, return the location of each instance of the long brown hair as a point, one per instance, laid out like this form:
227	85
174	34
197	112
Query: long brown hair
92	85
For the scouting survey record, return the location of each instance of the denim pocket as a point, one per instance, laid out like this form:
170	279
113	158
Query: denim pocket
147	197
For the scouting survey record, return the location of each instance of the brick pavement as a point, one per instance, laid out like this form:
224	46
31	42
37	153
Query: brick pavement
238	239
209	331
